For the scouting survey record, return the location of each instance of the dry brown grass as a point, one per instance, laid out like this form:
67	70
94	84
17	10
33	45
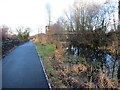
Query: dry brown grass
90	85
67	78
105	82
78	68
36	40
77	75
59	52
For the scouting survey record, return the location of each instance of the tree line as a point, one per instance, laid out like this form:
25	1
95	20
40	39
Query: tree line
11	40
93	24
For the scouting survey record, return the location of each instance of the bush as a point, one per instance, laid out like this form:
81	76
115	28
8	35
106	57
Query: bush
8	44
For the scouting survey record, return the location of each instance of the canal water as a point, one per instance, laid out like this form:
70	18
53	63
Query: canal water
98	58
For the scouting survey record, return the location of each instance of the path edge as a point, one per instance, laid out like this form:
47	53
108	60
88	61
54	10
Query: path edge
43	67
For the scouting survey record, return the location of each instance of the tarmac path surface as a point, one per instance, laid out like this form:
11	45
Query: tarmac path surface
22	68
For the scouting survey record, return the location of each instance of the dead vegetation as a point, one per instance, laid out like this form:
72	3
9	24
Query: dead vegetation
67	75
105	82
64	74
78	78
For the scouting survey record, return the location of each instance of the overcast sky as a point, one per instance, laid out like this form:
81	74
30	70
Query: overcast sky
32	13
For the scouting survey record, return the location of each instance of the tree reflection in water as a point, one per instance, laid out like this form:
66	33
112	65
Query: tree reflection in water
97	58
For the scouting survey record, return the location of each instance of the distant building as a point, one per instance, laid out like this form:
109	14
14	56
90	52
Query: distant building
48	35
4	31
47	28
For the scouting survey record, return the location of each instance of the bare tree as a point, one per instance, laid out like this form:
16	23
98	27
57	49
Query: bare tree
63	22
119	14
81	19
39	32
48	8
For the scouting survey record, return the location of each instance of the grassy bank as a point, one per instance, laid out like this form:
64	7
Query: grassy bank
46	52
66	71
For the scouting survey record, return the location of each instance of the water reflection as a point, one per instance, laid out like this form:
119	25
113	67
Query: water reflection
98	58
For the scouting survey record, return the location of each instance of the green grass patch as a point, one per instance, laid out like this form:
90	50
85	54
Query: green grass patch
45	50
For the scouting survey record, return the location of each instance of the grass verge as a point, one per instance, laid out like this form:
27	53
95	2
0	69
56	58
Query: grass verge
46	52
72	72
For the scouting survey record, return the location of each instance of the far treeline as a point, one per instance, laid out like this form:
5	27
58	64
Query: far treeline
93	31
89	24
10	40
92	25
